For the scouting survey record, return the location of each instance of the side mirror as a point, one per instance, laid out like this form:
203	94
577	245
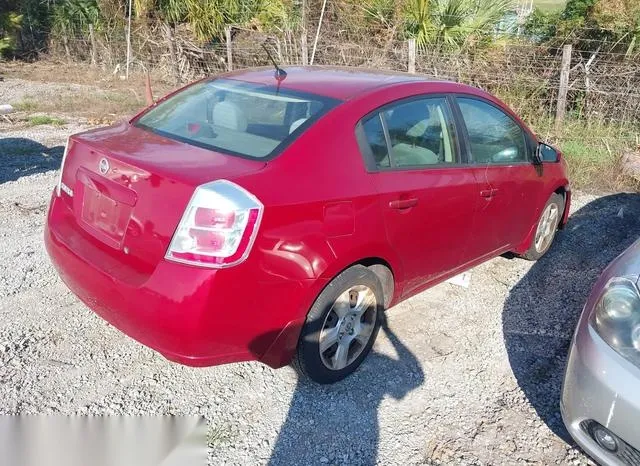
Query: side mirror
546	153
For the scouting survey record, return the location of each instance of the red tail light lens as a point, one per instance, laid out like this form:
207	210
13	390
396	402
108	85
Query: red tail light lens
214	218
218	227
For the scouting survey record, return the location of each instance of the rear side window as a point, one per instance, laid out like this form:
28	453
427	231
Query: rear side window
411	133
494	137
374	133
236	117
420	133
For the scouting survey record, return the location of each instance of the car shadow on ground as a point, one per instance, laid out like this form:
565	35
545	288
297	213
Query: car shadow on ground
338	424
23	157
542	310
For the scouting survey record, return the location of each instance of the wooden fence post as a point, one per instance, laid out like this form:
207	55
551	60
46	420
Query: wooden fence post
173	58
561	106
94	47
412	55
279	51
304	48
227	32
65	42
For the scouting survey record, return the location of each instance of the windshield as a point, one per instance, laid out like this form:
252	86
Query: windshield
251	120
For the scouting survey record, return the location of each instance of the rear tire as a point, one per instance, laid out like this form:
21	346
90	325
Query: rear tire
341	326
546	228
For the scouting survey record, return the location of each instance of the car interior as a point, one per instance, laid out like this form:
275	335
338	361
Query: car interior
493	136
239	120
419	135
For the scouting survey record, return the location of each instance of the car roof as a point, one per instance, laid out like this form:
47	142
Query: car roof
337	82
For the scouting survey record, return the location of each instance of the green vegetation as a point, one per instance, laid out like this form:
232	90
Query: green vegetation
37	120
448	24
26	105
593	150
550	5
10	25
454	23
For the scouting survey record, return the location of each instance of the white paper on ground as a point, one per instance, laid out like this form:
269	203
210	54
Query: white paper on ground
463	279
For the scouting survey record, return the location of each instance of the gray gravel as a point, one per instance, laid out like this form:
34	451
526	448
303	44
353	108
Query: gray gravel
464	376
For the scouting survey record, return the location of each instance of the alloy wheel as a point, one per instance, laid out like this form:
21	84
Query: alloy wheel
348	327
546	227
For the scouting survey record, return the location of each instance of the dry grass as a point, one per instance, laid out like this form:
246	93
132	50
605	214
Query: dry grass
91	104
53	71
102	96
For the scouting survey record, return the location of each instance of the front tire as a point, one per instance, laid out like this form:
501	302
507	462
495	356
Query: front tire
546	228
341	326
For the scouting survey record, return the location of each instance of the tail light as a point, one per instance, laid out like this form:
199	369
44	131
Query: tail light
218	226
64	157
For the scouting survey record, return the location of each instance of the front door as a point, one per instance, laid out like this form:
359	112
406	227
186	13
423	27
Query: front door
427	196
508	181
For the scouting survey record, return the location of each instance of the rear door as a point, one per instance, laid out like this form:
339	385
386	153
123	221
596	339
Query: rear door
500	157
427	195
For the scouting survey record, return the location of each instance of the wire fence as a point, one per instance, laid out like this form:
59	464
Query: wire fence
602	85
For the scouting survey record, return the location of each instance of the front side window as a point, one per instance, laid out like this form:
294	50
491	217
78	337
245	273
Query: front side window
236	117
420	133
494	137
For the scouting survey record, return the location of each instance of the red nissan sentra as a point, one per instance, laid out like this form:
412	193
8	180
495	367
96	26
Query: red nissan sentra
275	218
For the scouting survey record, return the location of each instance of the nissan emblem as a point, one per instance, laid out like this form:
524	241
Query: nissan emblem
103	166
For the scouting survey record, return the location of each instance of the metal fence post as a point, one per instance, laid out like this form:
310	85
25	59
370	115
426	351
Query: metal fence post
411	66
561	106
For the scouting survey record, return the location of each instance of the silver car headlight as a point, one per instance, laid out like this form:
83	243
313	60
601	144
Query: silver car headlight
616	317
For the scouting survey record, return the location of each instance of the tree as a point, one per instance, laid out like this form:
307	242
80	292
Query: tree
542	25
454	23
597	24
73	16
10	25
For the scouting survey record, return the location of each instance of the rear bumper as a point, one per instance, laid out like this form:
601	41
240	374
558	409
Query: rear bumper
601	386
191	315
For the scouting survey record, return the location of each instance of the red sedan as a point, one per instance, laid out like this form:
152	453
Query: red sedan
275	218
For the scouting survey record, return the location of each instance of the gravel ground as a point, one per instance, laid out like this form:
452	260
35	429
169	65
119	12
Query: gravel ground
463	375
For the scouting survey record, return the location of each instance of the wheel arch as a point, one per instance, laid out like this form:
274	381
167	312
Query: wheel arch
384	272
565	192
387	268
526	243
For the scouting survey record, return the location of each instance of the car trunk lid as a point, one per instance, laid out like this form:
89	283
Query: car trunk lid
128	188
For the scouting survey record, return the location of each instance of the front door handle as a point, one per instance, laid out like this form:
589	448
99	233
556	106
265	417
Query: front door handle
488	193
403	203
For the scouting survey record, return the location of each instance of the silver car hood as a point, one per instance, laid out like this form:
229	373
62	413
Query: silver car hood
627	264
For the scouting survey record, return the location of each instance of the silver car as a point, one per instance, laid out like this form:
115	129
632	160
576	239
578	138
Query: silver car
601	393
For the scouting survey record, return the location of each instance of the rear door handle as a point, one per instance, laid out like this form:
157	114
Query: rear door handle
403	203
488	192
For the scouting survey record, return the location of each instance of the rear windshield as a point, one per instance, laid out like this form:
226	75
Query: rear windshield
250	120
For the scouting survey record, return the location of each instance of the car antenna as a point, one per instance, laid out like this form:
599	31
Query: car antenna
280	74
